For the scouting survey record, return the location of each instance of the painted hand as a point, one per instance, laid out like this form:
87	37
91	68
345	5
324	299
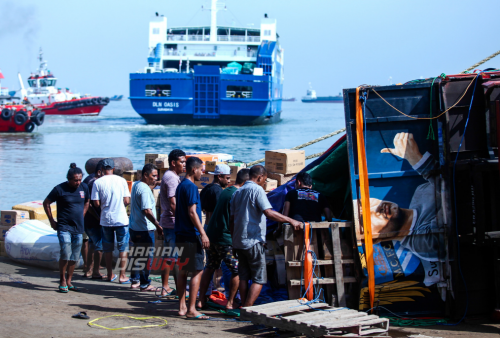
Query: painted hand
405	147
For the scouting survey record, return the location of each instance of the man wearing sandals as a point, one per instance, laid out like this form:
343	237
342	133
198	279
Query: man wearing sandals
111	194
72	198
143	224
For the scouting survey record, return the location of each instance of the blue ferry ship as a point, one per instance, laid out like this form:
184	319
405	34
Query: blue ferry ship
211	75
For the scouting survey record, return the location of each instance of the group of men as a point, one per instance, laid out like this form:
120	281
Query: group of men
234	233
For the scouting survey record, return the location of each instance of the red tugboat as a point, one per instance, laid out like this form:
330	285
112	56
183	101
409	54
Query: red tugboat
20	118
43	94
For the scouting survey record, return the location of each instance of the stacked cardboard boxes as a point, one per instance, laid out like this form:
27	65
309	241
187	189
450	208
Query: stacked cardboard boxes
35	209
282	165
9	218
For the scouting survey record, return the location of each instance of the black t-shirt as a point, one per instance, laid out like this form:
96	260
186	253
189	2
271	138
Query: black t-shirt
209	196
92	221
70	204
306	205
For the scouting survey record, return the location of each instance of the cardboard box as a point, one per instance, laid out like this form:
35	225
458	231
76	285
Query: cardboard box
234	173
150	158
2	249
156	194
205	158
35	209
3	231
13	217
130	175
281	178
270	185
161	162
204	180
285	161
210	165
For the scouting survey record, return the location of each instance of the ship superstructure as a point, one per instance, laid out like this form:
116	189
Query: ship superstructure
210	75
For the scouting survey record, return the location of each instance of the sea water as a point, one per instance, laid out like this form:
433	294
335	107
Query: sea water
32	164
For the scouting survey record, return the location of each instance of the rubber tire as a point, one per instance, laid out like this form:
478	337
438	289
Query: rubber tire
29	127
105	100
21	117
6	114
38	117
95	100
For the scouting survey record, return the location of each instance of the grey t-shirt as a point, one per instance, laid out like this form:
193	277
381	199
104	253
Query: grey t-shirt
169	183
142	198
247	206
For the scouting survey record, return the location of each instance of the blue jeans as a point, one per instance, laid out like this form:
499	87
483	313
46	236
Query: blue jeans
141	265
71	245
95	238
108	238
169	242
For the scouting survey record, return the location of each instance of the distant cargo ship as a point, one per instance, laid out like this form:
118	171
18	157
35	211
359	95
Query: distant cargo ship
312	98
210	75
289	99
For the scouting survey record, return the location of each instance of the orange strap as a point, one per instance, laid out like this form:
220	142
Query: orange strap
365	197
308	263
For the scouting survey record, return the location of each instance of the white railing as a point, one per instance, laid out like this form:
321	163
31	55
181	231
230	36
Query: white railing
152	92
232	94
177	37
253	38
238	38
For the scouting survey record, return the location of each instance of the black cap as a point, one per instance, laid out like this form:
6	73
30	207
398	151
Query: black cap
99	166
108	162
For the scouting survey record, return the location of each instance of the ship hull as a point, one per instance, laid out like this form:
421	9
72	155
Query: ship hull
339	100
205	99
82	107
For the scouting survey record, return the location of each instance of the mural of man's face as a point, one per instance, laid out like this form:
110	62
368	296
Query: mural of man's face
386	216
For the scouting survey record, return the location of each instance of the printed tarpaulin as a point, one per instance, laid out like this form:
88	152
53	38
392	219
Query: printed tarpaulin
330	174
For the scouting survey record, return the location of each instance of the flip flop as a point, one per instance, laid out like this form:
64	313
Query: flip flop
74	288
148	289
63	289
81	315
126	282
113	279
198	317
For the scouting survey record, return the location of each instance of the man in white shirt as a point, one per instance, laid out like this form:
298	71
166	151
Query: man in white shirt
111	194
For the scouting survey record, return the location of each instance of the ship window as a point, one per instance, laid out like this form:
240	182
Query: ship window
160	90
32	83
267	32
239	92
156	31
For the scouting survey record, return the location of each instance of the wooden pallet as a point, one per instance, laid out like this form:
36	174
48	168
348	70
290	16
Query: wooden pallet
326	243
316	320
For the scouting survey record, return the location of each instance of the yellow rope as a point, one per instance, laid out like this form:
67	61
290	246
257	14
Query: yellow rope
426	118
481	62
91	323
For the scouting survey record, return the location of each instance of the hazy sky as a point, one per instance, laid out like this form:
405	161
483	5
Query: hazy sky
92	46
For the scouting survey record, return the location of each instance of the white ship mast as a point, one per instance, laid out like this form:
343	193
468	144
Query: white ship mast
213	20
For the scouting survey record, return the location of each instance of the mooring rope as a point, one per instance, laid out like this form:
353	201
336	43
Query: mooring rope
305	145
481	62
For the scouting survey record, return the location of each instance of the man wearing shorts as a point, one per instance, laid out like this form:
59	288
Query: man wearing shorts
190	238
111	194
169	183
249	209
221	249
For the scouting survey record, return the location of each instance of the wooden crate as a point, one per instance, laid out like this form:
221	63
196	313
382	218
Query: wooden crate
326	244
315	320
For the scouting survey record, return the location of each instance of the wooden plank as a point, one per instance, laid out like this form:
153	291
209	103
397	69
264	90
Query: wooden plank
294	282
319	262
326	225
284	309
269	305
337	259
303	318
347	322
292	247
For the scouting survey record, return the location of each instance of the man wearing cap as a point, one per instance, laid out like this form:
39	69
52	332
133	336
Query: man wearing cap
210	194
111	194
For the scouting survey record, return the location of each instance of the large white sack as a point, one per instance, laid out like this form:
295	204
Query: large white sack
34	243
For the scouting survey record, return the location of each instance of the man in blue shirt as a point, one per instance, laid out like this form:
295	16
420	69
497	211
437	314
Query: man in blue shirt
142	226
190	238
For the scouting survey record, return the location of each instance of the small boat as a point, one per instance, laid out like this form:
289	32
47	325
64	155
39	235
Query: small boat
43	94
311	97
288	99
15	118
116	98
